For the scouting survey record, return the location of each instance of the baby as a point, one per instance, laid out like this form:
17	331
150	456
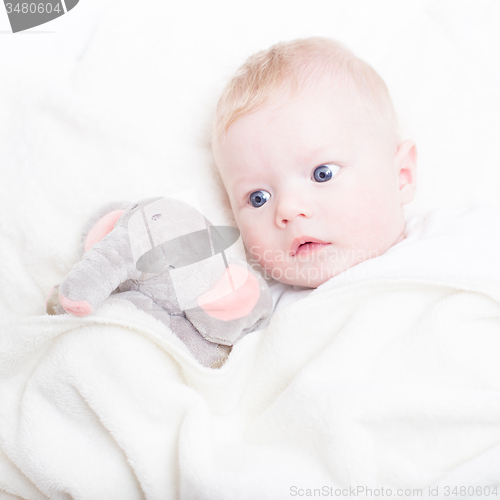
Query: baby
308	147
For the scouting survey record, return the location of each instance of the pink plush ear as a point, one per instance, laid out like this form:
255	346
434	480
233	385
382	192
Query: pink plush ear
223	302
101	228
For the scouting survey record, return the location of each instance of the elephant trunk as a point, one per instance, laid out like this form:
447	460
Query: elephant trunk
102	269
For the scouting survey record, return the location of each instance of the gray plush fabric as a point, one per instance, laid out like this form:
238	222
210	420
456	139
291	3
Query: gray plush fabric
96	216
137	261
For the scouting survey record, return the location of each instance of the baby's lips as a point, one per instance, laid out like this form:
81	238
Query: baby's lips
233	296
297	242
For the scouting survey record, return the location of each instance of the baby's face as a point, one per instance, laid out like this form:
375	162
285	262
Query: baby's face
313	190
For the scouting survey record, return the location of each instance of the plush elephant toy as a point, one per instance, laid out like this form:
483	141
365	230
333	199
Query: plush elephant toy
168	260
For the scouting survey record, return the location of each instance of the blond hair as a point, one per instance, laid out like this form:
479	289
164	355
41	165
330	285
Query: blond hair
294	65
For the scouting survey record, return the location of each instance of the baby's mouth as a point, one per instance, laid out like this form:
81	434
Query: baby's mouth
305	245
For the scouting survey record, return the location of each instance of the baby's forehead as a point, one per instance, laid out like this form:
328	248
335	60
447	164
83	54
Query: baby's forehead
296	118
302	109
329	93
355	109
302	131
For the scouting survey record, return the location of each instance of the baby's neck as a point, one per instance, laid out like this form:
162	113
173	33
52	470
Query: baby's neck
401	237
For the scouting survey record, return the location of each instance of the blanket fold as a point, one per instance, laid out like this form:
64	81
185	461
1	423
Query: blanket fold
385	376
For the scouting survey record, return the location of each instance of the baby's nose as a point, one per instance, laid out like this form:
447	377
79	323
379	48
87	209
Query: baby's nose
290	208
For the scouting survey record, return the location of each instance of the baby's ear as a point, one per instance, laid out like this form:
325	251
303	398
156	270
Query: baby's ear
406	164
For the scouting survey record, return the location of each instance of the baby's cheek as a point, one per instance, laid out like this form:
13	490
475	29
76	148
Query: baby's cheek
367	225
253	240
264	256
261	252
381	228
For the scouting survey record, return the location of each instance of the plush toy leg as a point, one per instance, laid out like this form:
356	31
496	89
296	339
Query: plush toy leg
225	301
226	312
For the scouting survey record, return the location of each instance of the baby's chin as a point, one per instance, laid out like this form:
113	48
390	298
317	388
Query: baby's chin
317	274
308	277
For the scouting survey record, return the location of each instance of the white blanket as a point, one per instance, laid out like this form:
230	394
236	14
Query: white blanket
386	376
114	101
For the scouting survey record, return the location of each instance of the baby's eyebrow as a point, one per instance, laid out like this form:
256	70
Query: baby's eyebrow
247	192
331	154
246	182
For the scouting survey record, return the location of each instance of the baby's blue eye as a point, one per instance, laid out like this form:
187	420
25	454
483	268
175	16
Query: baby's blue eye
324	173
258	198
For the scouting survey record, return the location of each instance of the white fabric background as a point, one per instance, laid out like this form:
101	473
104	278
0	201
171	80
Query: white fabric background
114	101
